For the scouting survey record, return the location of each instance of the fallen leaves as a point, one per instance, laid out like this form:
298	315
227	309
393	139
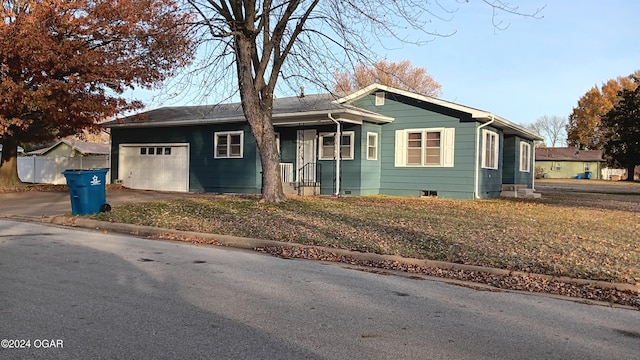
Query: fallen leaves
591	240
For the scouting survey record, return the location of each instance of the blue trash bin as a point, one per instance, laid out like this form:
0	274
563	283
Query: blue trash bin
87	191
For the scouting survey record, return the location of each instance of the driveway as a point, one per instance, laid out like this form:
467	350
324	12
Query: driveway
44	204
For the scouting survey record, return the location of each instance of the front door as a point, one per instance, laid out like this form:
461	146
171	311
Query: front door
306	156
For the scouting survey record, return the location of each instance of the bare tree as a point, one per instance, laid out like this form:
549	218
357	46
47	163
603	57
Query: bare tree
305	42
552	128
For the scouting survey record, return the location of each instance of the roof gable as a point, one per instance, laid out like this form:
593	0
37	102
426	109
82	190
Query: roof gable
483	116
83	147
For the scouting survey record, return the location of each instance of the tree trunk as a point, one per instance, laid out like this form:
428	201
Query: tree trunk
631	169
9	165
270	159
257	107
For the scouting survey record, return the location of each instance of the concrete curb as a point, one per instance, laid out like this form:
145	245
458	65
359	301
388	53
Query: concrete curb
252	243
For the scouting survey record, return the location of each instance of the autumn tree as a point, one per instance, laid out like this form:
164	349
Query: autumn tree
621	127
302	42
584	129
64	65
402	75
551	128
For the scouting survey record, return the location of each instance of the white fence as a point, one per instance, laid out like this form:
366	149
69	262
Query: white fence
610	174
48	170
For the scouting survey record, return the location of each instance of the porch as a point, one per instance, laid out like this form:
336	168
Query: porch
302	181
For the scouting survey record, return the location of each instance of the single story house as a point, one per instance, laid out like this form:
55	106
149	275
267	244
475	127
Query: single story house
68	147
569	163
388	141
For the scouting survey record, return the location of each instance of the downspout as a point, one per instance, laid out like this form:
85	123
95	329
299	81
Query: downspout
533	165
336	152
477	175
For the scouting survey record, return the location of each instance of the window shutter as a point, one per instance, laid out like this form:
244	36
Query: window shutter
449	142
401	148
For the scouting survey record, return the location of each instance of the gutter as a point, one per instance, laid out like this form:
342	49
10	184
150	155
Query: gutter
336	151
477	174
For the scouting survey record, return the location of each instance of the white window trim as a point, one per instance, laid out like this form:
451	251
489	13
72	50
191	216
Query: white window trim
586	166
380	96
277	135
349	156
447	144
228	134
525	148
374	145
495	150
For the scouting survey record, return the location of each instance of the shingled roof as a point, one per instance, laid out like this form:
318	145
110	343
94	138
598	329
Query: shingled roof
567	154
295	107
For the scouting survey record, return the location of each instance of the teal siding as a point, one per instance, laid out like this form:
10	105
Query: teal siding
205	173
490	180
511	172
369	169
449	182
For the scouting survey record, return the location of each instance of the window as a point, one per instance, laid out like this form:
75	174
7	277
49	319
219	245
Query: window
425	147
489	149
155	151
557	166
372	146
587	166
228	144
379	98
525	157
328	145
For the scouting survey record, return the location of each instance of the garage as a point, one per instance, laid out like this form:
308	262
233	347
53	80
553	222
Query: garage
161	167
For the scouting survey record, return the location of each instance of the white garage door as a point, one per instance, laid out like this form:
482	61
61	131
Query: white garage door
162	167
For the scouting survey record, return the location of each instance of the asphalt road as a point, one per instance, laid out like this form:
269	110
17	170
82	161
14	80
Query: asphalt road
103	296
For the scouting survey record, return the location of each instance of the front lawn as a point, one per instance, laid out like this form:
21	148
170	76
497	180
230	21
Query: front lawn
588	236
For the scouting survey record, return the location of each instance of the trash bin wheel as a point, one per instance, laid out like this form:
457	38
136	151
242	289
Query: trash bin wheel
105	208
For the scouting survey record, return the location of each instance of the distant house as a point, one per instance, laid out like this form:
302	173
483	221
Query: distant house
378	140
72	148
569	163
47	164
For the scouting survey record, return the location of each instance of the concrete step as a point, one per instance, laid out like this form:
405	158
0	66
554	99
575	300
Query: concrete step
521	194
293	188
513	187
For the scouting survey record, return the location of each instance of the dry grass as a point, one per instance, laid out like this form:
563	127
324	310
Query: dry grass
589	236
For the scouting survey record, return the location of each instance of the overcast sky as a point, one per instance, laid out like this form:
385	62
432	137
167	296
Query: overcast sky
533	68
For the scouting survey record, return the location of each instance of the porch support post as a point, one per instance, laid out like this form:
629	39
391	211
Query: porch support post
336	152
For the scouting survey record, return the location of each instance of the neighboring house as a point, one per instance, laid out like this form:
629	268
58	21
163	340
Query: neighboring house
391	142
72	148
569	163
46	165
